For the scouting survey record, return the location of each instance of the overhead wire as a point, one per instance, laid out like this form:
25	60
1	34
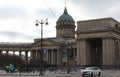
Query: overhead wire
50	9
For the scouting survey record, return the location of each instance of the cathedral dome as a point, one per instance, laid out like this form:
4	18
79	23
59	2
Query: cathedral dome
65	19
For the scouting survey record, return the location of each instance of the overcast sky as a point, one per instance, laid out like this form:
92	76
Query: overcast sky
18	17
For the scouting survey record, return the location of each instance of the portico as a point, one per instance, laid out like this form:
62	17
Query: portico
97	42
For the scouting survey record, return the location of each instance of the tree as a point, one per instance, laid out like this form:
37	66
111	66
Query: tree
6	59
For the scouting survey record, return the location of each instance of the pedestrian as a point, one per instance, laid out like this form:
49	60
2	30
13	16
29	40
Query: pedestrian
11	68
7	68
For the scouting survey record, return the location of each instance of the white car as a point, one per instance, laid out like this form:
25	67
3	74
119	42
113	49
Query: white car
91	71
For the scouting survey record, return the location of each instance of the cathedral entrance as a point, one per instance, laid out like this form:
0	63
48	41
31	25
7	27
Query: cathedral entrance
95	49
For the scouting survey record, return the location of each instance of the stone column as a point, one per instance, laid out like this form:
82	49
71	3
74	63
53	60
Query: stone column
0	52
116	52
33	54
81	52
26	56
13	52
52	57
88	53
36	54
119	52
47	55
20	54
55	56
58	57
108	46
7	52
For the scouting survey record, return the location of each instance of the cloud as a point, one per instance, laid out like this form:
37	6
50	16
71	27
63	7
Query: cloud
96	8
8	12
15	35
95	3
48	12
13	14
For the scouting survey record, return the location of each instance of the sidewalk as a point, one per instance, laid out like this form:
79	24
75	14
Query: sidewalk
47	74
37	75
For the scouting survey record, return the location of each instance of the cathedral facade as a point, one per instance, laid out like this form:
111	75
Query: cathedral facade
92	42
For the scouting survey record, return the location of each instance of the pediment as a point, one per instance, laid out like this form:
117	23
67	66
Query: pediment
46	42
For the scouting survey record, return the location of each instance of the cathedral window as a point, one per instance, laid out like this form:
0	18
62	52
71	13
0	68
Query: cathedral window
117	27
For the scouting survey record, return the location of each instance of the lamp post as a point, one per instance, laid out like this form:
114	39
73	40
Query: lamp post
41	52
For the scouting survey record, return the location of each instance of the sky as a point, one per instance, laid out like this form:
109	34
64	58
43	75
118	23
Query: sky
18	17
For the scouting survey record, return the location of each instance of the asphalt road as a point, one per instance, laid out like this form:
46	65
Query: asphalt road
105	73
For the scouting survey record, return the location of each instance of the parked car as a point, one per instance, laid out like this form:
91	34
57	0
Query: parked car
91	71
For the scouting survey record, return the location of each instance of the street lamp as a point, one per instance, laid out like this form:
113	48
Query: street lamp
41	52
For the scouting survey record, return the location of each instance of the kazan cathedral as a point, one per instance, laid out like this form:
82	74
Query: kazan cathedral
92	42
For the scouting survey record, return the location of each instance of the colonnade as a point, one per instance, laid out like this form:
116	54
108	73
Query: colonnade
25	55
51	56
